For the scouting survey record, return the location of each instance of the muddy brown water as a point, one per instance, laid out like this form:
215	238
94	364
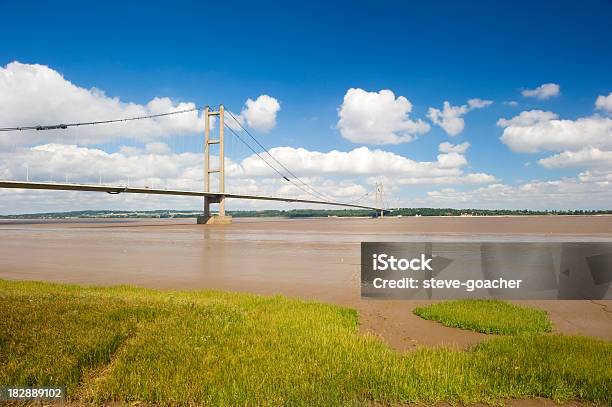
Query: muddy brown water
310	258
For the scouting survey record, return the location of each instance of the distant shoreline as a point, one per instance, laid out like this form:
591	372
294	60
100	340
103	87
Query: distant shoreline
304	213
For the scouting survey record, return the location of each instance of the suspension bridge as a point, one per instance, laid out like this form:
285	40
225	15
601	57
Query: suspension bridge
209	195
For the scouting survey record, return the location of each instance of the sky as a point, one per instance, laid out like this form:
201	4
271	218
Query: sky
449	104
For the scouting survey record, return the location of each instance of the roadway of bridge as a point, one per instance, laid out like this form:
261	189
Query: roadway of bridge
215	196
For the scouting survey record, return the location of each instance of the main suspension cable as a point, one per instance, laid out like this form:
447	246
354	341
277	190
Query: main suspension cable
67	125
267	163
319	194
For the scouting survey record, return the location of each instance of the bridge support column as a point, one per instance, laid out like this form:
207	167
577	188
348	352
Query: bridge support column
207	217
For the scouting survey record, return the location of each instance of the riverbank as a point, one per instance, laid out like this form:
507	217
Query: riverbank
131	345
313	259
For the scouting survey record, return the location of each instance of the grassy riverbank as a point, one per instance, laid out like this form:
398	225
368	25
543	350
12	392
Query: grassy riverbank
487	316
128	344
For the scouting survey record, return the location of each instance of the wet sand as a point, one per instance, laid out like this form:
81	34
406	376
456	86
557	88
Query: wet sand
310	258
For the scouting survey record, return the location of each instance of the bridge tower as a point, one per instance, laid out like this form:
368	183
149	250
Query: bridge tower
207	217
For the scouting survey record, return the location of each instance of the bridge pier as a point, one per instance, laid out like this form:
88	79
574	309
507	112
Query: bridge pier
209	219
214	220
205	217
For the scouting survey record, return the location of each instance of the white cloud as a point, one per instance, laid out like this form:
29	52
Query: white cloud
373	165
451	160
512	103
543	92
37	94
600	176
479	103
534	131
604	103
357	162
377	118
585	142
157	147
129	150
588	157
450	118
33	94
260	114
396	182
447	147
527	118
566	193
154	164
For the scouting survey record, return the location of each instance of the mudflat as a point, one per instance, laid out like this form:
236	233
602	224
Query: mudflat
309	258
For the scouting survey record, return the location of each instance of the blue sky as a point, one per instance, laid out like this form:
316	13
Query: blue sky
307	55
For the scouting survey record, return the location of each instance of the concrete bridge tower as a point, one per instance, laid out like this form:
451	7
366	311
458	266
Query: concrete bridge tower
207	217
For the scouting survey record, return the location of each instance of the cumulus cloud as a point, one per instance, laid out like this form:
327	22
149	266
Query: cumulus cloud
604	103
585	142
587	157
450	118
60	162
373	165
527	118
535	130
377	118
479	103
33	94
157	148
566	193
451	160
447	147
600	176
543	92
260	114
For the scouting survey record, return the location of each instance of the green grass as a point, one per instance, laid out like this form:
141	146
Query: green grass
126	344
487	316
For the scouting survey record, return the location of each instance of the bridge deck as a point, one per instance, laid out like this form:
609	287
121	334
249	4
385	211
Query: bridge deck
130	190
